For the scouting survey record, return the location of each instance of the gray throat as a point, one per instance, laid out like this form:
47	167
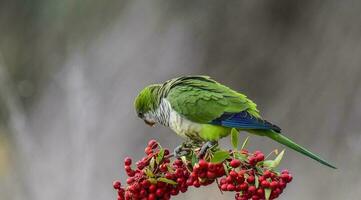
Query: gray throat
162	113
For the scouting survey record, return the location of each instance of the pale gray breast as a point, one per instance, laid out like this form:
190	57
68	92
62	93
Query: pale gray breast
167	116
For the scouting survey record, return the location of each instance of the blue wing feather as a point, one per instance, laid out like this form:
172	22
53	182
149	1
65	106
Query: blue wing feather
244	120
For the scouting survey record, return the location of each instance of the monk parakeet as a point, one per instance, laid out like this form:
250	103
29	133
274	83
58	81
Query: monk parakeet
203	110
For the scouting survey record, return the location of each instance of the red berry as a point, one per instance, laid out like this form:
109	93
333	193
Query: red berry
169	175
145	183
174	192
252	161
128	168
148	150
278	191
290	178
178	163
163	168
257	152
233	174
274	185
250	179
140	165
202	175
166	152
203	164
160	184
143	193
260	157
235	163
244	186
267	174
116	185
179	172
152	197
260	192
231	187
127	161
241	172
265	184
196	184
130	180
180	181
189	182
183	189
212	167
252	189
211	175
194	175
282	184
261	178
240	179
224	187
159	192
286	177
153	144
229	179
255	197
152	188
244	151
238	188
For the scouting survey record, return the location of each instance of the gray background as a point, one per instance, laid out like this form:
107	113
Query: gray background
69	71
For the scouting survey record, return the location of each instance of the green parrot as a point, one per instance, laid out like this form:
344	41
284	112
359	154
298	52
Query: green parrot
202	110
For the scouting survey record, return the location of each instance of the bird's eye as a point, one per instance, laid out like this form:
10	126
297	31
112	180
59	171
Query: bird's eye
140	115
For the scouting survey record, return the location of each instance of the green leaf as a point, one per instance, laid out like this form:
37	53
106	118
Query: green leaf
160	156
234	138
148	172
279	157
267	193
225	169
268	163
165	180
240	156
220	156
152	180
256	181
245	143
194	159
151	163
258	168
276	162
184	159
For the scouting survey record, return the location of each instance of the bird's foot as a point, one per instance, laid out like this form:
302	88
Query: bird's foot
205	148
180	151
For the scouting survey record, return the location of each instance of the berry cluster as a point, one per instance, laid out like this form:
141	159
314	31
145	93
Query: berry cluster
250	179
204	173
157	177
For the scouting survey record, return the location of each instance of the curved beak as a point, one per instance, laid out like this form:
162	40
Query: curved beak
150	123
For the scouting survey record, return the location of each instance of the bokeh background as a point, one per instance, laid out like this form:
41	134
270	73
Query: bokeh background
69	71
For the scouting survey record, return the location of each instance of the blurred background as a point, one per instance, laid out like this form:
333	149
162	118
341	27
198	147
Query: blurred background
70	70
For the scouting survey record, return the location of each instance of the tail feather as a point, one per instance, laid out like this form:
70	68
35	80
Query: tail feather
289	143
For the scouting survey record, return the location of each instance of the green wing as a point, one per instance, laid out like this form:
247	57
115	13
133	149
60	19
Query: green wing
201	99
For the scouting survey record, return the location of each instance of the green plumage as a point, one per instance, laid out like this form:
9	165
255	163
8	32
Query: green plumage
204	102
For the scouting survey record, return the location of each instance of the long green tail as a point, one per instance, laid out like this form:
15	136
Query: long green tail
289	143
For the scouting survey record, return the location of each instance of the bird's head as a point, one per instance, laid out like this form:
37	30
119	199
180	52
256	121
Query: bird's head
146	103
